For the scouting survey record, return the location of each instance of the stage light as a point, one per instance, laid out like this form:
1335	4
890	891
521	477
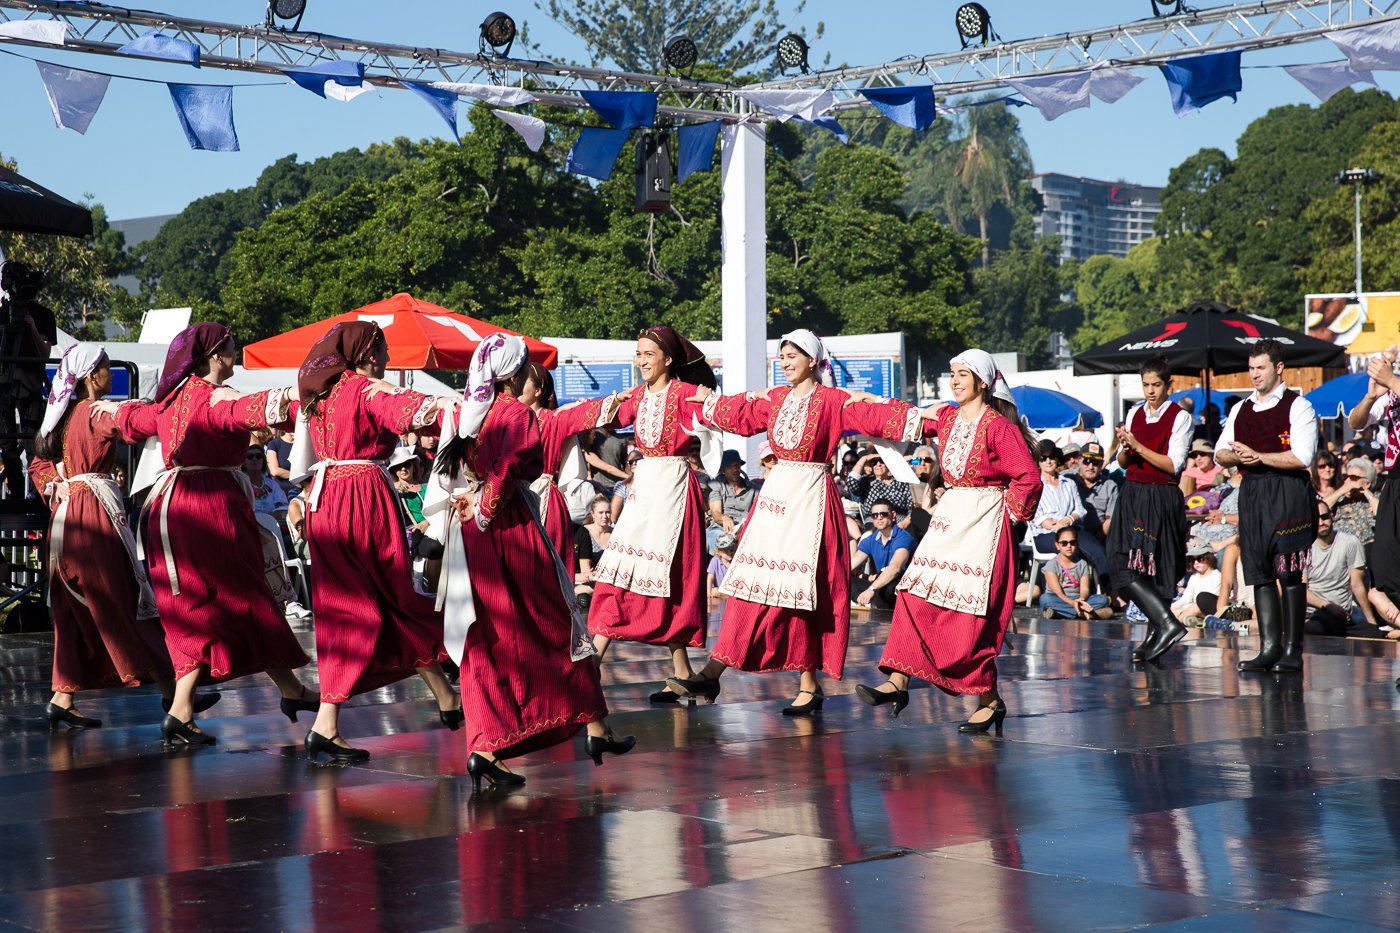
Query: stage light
680	53
792	53
974	22
285	10
497	33
1166	7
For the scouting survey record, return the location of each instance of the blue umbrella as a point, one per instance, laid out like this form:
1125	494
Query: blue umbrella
1046	408
1336	397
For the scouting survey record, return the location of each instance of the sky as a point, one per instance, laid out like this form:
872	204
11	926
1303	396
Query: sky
135	161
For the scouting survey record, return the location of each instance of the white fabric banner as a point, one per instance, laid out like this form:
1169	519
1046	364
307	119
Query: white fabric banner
345	93
531	129
1055	95
1109	83
74	96
496	96
807	104
1370	48
1327	78
49	31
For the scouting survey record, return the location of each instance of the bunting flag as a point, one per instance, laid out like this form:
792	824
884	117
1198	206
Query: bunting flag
47	31
531	129
908	106
74	95
623	110
1327	78
807	104
829	123
697	148
1204	79
1055	95
595	152
444	103
1370	48
1110	83
337	80
495	96
206	115
156	44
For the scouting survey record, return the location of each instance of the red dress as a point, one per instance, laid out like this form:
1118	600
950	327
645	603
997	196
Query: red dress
649	585
956	650
520	688
557	428
217	610
372	627
94	595
788	585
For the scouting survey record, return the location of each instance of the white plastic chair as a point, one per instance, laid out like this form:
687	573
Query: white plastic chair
299	578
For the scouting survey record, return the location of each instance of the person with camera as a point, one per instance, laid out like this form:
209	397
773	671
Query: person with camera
28	333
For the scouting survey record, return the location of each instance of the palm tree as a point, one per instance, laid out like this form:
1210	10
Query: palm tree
987	165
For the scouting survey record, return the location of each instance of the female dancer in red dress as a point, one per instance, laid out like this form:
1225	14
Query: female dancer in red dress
788	585
201	539
649	585
951	613
106	629
528	678
372	627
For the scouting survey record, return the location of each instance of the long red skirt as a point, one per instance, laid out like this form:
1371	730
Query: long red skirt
101	644
760	638
224	618
520	689
955	651
372	627
678	619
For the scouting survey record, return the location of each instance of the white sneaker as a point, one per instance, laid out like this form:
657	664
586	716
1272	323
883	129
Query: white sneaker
297	611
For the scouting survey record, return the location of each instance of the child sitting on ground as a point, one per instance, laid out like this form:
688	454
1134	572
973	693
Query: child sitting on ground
1068	581
725	546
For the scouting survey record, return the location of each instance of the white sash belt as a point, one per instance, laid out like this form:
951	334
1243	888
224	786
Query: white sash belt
318	473
164	489
109	497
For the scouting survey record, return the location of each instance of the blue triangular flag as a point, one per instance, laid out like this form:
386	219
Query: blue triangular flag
595	152
907	106
697	148
314	78
156	44
206	115
1195	82
829	123
444	102
74	96
623	110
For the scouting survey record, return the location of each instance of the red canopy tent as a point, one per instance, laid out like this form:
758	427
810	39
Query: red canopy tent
421	336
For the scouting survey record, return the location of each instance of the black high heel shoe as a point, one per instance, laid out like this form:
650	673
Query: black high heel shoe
596	745
173	731
707	688
814	705
665	696
301	704
452	718
998	709
900	698
201	702
317	743
64	716
479	766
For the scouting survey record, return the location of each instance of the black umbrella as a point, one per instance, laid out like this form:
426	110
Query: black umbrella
31	208
1206	336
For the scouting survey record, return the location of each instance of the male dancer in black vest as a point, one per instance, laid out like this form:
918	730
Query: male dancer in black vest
1272	437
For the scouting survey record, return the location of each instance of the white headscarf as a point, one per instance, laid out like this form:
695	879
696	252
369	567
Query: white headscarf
810	344
985	368
498	357
79	361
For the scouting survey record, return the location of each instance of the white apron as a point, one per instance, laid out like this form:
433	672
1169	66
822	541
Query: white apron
109	496
163	491
638	558
776	562
952	566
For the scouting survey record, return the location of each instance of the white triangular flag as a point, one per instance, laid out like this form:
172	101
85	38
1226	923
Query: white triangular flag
496	96
804	104
1055	95
342	92
531	129
48	31
1110	83
1327	78
74	96
1370	48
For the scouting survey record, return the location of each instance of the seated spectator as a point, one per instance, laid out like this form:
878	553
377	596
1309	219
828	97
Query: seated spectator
1201	597
872	481
296	519
880	559
766	461
1354	503
698	467
590	541
279	459
1097	492
1336	580
1069	582
719	564
268	497
403	468
618	496
1060	507
1071	455
731	497
1201	469
606	454
1325	480
427	449
928	492
269	500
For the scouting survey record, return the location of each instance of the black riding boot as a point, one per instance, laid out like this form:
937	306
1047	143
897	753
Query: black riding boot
1269	612
1166	630
1295	608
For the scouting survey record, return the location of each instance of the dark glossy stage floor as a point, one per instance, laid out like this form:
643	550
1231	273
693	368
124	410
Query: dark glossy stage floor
1184	797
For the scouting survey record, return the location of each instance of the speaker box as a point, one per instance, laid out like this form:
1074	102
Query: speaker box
654	172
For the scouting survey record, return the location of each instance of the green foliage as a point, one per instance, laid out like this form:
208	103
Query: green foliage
1020	293
1332	265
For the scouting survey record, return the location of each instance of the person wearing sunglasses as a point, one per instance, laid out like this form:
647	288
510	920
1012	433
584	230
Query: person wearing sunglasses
880	560
1068	581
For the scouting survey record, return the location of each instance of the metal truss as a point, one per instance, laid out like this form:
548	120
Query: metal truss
101	29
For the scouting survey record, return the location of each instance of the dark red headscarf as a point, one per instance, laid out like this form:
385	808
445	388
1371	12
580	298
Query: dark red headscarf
190	347
688	364
345	346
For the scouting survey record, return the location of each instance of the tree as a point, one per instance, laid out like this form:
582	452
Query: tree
1330	219
986	168
1021	293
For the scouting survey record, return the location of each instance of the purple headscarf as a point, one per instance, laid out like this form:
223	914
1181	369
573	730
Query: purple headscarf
190	347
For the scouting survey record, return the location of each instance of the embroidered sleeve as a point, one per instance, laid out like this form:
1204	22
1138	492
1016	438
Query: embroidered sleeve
499	483
106	427
890	420
398	409
41	474
624	412
576	419
137	421
737	414
233	412
1014	458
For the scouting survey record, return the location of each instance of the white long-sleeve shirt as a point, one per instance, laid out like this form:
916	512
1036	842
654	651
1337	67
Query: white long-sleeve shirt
1302	424
1180	442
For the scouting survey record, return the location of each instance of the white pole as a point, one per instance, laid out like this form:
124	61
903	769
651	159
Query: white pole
744	275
